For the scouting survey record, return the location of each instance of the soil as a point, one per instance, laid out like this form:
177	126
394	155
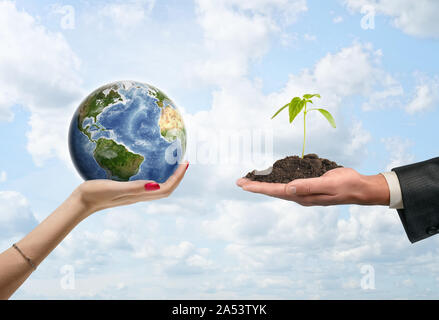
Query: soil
294	167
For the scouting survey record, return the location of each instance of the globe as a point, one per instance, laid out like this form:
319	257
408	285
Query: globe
127	131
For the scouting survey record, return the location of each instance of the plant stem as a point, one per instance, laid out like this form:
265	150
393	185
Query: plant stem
304	131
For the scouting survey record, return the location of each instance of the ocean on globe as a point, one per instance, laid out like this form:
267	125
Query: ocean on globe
126	131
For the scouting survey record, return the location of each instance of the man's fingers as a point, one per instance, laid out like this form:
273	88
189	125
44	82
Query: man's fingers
299	187
316	193
240	182
270	189
310	186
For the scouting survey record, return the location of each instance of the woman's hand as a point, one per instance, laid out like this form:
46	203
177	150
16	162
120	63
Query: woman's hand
337	186
97	195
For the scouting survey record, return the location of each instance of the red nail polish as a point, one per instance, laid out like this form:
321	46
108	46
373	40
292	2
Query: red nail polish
152	186
187	166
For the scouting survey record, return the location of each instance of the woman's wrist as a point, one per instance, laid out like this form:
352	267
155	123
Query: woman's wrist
375	190
82	208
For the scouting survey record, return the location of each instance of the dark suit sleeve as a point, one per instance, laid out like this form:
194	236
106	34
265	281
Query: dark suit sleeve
420	196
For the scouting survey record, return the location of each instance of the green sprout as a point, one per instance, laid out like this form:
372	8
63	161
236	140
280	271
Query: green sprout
295	107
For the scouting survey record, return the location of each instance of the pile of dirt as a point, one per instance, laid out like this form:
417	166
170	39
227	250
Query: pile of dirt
294	167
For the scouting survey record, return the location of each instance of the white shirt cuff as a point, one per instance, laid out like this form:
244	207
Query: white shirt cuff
395	190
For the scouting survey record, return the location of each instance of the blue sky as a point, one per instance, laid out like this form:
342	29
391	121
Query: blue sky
228	64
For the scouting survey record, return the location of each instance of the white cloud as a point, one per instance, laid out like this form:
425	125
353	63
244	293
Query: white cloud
309	37
366	234
232	38
279	225
271	222
129	233
422	100
86	250
128	13
16	218
356	70
237	32
39	71
417	18
263	249
199	261
426	94
359	138
314	249
337	19
48	133
3	176
399	152
385	97
287	10
182	250
352	70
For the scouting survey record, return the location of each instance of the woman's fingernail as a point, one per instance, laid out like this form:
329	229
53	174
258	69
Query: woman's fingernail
187	166
292	190
152	186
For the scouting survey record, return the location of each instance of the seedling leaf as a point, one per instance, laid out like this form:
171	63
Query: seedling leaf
328	116
310	96
296	105
280	110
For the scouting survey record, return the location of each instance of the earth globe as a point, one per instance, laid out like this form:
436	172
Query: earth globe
126	131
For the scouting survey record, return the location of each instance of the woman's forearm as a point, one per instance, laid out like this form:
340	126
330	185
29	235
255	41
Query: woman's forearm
37	245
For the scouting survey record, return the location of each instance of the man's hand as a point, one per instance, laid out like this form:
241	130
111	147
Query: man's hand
337	186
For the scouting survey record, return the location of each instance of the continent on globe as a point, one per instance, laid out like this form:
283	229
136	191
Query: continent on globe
94	105
160	96
127	130
116	160
172	126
